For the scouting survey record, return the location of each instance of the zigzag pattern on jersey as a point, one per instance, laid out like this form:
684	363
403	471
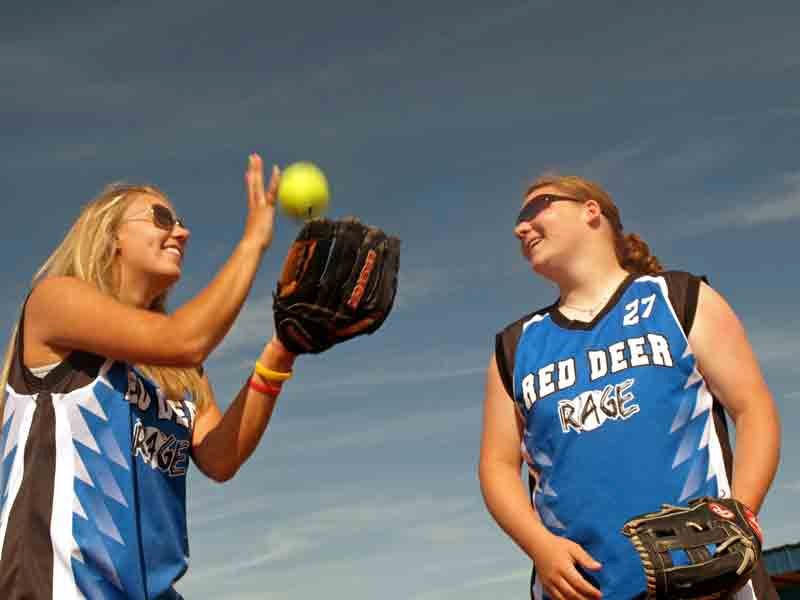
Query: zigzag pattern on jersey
10	439
539	466
102	507
693	423
540	463
543	489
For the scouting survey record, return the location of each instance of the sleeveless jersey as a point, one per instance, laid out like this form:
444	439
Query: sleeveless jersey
92	483
617	420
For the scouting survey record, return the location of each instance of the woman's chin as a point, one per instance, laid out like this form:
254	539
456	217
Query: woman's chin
544	268
168	277
538	263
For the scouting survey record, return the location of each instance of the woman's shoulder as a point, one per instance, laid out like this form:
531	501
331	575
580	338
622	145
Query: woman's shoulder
51	286
674	277
683	291
507	339
516	326
57	290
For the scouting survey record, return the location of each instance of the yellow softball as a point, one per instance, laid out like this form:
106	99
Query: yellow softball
303	191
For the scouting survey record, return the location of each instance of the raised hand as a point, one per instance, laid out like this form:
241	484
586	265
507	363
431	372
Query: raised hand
260	202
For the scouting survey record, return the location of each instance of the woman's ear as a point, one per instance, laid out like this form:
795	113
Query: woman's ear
592	211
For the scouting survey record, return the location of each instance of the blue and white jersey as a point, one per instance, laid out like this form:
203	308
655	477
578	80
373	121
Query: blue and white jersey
92	483
617	420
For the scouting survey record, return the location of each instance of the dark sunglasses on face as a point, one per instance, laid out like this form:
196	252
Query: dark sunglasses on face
537	204
162	217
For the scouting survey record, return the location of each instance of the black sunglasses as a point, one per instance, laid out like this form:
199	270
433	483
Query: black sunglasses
538	203
162	217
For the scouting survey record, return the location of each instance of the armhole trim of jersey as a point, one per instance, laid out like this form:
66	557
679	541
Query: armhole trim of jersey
692	297
683	291
506	343
506	375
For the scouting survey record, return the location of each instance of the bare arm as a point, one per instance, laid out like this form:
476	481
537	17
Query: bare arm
727	362
509	503
222	443
65	313
499	467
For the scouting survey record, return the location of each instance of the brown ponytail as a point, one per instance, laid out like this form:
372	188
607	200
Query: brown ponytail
634	255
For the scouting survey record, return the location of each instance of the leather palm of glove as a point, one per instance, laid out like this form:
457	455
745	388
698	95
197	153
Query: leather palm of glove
339	281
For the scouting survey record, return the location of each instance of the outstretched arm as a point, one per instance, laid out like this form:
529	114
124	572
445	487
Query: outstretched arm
727	362
67	313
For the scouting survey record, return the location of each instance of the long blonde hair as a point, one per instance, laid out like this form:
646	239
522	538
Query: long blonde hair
87	252
632	251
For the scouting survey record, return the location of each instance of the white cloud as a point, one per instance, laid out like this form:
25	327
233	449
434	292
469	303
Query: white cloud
606	165
472	564
361	530
289	438
519	577
695	157
335	526
647	161
400	367
772	211
211	511
769	207
368	432
419	284
394	375
279	550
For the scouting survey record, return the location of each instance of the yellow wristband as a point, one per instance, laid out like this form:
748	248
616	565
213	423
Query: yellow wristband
271	375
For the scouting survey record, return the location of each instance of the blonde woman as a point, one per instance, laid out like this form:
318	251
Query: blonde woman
106	402
613	395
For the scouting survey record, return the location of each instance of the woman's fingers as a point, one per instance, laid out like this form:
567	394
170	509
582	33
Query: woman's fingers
272	189
584	558
555	594
255	179
567	590
580	588
574	577
256	194
260	202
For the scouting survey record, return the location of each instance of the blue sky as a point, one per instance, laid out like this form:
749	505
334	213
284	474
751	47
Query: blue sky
429	119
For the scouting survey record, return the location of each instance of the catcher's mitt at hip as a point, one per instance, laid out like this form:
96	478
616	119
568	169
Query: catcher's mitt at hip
338	281
705	550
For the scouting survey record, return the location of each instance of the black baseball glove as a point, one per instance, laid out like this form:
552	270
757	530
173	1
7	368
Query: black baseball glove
705	550
338	281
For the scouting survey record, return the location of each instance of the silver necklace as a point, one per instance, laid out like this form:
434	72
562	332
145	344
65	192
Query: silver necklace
589	311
